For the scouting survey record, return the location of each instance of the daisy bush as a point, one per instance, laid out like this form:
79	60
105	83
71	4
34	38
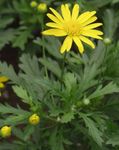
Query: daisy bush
59	75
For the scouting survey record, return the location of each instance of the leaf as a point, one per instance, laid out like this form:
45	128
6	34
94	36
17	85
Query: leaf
6	36
8	71
21	38
109	23
94	132
67	117
4	21
53	48
51	65
6	109
108	89
70	81
22	93
29	65
56	140
16	120
114	139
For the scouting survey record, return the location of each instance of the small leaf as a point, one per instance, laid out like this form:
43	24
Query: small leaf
67	117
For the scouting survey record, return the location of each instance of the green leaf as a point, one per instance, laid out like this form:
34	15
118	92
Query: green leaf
51	65
114	139
29	65
67	117
21	38
101	91
22	93
54	43
4	21
70	81
6	37
5	109
94	132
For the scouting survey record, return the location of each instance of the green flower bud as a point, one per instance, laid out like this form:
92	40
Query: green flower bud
42	7
86	101
107	41
33	4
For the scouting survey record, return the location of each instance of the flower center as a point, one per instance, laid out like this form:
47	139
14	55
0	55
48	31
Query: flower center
72	28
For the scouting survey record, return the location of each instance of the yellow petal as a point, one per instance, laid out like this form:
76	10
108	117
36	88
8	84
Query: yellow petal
66	46
65	12
55	32
95	32
79	44
54	25
75	11
89	21
92	34
53	18
70	40
91	26
87	41
85	16
57	14
3	79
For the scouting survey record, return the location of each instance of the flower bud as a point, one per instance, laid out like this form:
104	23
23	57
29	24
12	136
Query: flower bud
5	131
34	119
2	85
58	119
42	7
107	41
86	101
33	4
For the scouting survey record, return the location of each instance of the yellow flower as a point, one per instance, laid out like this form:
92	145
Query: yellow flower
74	26
34	119
42	7
33	4
6	131
2	80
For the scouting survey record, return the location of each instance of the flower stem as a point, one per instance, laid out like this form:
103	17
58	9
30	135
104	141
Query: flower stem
63	68
43	44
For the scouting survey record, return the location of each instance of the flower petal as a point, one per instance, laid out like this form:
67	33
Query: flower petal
75	11
92	33
85	16
53	18
87	41
79	44
91	26
54	32
66	12
66	46
3	79
54	25
57	14
89	21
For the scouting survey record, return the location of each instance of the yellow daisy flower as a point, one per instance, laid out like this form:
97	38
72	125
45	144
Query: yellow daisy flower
2	80
74	26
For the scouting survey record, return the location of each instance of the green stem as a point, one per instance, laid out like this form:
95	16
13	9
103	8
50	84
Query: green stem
43	45
105	54
63	68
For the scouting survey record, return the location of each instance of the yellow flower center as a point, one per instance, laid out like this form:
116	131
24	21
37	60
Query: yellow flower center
72	28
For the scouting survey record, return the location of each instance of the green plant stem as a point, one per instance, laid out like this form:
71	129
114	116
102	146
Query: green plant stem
103	62
63	68
43	45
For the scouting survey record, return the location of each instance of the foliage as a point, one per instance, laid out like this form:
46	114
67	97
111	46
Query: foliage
56	86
